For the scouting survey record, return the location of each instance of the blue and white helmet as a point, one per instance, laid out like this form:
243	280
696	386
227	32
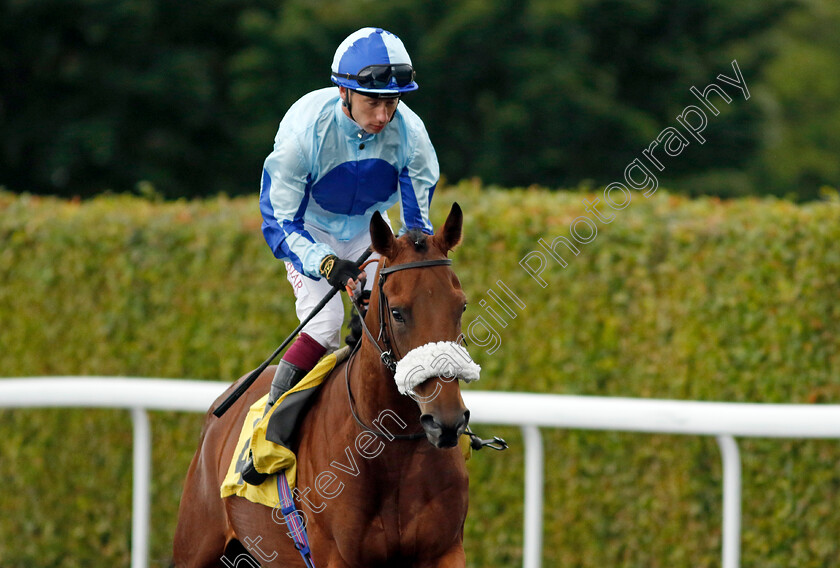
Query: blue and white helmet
374	62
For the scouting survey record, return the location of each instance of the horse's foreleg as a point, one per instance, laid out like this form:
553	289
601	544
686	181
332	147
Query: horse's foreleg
454	558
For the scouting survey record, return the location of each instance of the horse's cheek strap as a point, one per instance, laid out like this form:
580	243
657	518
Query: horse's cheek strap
438	359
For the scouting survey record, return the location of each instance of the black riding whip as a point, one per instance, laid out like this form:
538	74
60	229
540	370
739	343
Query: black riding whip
240	390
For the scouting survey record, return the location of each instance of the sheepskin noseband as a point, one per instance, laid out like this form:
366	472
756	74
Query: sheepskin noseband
445	359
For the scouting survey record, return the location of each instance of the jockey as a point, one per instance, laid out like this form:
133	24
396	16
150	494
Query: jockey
339	155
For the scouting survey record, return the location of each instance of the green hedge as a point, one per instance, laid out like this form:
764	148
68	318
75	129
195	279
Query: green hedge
675	298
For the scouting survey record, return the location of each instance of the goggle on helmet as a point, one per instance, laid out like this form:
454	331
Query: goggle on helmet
374	62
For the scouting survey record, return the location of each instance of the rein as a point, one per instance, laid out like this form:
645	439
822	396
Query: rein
362	425
385	355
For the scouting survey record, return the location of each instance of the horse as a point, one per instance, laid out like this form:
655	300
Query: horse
372	498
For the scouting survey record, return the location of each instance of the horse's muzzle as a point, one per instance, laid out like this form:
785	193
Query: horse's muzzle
444	434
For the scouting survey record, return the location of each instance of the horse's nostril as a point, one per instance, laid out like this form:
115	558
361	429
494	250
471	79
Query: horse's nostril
429	423
461	426
444	435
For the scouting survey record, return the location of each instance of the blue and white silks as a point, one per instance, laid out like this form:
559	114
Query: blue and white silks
325	171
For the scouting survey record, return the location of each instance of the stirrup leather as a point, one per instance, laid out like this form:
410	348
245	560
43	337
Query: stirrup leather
286	377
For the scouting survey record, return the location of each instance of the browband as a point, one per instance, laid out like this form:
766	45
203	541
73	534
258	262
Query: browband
420	263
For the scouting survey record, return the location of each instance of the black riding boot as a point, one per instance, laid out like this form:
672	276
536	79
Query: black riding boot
286	377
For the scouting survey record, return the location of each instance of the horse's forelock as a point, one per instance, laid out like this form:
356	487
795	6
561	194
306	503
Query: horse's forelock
410	244
419	239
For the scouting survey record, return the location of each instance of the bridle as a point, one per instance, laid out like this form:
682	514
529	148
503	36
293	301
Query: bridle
385	355
388	360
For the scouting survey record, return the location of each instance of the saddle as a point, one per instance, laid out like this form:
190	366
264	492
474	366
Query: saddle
275	457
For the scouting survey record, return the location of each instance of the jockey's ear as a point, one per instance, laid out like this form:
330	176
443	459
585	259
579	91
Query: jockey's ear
381	236
450	235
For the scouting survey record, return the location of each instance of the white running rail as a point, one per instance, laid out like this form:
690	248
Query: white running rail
724	421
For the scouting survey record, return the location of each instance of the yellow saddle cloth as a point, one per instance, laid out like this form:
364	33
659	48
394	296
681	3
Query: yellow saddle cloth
269	456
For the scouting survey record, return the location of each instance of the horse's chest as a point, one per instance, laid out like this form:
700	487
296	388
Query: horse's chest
400	521
410	530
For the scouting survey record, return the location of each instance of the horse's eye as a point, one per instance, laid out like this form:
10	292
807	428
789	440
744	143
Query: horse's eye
397	315
465	308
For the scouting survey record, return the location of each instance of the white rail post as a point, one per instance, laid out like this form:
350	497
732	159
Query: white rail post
731	530
141	493
532	554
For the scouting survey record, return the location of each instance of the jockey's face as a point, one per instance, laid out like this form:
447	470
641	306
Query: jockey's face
373	115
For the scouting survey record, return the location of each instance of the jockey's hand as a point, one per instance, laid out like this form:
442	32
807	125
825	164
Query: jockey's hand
356	289
339	272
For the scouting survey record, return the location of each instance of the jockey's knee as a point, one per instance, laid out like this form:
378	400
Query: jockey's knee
326	330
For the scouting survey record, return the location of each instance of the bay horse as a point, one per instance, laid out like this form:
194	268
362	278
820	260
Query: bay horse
389	500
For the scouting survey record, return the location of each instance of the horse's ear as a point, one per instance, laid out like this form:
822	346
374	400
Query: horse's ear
381	236
450	234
